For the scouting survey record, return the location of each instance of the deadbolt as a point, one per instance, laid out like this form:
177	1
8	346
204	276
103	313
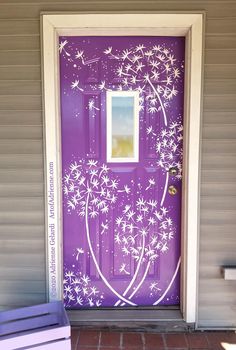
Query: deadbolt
172	190
173	171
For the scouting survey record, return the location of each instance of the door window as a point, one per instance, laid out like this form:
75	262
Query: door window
122	126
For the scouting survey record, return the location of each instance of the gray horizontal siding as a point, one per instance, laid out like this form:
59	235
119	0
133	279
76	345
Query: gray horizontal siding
31	9
22	253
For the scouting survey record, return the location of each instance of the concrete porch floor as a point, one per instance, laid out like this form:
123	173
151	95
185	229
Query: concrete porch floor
105	340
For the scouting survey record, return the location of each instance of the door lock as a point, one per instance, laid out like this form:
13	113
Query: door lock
173	171
172	190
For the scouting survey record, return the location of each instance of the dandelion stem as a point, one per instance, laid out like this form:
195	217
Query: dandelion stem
95	260
165	189
140	283
142	280
136	272
159	99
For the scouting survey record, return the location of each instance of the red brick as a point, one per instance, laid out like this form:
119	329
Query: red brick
197	341
110	339
153	341
88	338
216	338
176	341
74	337
132	340
84	347
232	337
110	348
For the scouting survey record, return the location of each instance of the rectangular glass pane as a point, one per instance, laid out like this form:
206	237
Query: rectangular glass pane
122	126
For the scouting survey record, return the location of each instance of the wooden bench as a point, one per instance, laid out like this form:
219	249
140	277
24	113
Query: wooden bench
40	327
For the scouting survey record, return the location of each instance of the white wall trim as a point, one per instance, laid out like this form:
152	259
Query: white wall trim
168	24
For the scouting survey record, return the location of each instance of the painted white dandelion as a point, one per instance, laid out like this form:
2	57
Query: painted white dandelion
149	54
121	73
94	291
152	109
95	183
71	205
125	250
176	73
126	189
90	300
70	298
154	286
123	269
164	248
130	214
158	215
164	210
140	47
139	67
140	202
102	85
108	50
79	300
151	221
167	67
156	48
151	182
125	54
79	252
85	279
104	169
69	274
79	55
92	163
114	184
92	105
155	75
93	214
117	238
154	64
140	218
104	228
77	289
105	209
119	221
105	179
152	203
75	85
62	47
74	166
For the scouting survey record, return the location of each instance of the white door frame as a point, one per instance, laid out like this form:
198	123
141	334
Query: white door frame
190	25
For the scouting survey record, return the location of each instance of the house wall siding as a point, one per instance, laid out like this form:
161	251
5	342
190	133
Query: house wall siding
22	232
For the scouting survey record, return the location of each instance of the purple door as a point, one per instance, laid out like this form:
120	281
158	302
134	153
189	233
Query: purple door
122	134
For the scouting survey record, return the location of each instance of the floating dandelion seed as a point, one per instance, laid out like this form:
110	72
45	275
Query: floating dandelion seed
108	50
79	251
62	47
92	105
151	183
123	269
75	85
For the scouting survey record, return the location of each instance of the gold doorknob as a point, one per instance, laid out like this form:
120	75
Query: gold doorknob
172	190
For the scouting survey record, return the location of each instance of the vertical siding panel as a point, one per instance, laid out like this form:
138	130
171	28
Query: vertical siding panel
22	254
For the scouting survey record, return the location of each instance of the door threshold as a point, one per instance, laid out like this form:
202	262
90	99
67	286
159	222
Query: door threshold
133	320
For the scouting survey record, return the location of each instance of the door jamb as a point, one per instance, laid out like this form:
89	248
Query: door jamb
188	24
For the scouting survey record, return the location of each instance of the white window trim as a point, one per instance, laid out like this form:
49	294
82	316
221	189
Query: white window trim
190	25
135	95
